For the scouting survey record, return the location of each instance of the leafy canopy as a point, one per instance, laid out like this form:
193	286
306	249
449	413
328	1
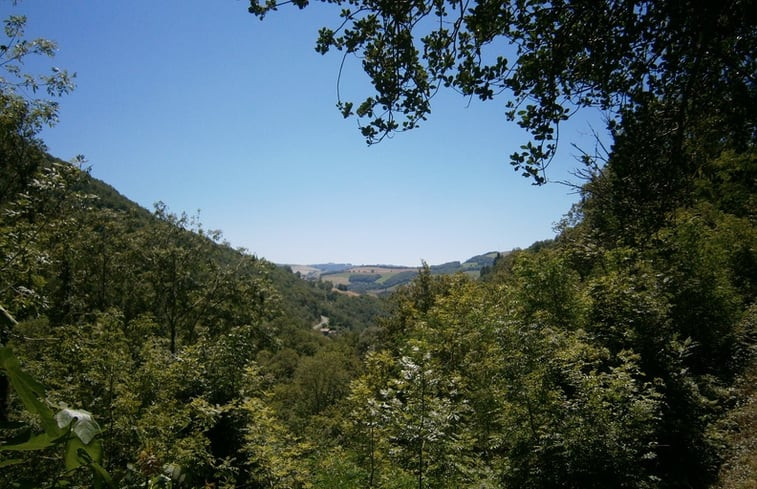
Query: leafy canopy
551	57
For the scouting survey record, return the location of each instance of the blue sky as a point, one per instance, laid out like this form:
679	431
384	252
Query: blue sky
198	104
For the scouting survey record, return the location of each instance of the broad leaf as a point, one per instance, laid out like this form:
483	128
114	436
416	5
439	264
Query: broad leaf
28	390
100	475
39	442
79	454
84	425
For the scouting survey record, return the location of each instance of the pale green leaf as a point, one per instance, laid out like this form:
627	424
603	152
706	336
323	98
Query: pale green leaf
84	425
39	442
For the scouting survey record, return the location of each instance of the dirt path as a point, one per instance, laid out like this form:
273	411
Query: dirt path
324	322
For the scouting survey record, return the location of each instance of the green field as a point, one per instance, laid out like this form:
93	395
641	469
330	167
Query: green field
371	280
375	279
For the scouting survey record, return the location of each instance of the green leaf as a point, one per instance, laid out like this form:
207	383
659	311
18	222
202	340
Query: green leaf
72	457
11	461
94	451
78	454
39	442
29	390
101	475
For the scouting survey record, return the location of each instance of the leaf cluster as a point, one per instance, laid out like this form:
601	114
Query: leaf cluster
551	58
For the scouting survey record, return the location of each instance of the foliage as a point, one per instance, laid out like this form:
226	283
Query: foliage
74	433
739	470
371	277
621	354
552	57
151	322
21	115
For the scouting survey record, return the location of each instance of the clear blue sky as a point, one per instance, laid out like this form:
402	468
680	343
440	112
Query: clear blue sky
201	105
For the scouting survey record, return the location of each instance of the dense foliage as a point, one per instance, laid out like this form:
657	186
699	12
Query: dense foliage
142	351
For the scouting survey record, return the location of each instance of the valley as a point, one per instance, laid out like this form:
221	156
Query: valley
139	349
383	279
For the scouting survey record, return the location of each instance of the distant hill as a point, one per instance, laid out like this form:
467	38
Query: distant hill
332	267
381	279
345	277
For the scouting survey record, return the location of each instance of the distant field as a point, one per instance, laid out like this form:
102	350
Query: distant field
305	270
341	278
378	279
386	276
379	270
366	273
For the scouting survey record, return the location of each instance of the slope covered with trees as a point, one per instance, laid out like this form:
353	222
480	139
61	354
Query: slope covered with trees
149	321
619	354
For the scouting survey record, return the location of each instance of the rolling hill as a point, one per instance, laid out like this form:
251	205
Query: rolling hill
381	279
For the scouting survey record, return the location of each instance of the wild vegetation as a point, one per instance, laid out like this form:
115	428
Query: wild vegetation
139	350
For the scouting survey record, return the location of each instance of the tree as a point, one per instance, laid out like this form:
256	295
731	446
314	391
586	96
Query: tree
22	156
192	290
275	457
367	421
553	57
22	116
427	419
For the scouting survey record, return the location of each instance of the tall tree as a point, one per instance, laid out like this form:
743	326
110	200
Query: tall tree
552	57
21	152
22	116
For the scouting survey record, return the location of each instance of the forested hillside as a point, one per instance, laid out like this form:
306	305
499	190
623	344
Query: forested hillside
139	350
138	317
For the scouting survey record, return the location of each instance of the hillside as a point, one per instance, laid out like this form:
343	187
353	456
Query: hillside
383	279
303	302
190	352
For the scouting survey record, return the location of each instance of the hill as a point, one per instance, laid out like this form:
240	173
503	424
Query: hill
302	302
383	279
